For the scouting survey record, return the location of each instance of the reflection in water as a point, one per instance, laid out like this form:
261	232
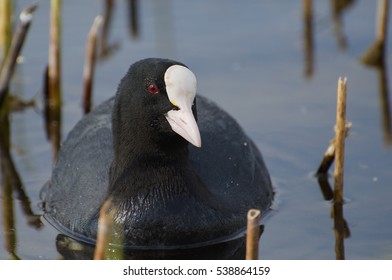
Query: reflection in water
384	103
133	18
10	182
106	48
325	187
107	20
308	37
341	229
338	8
6	186
53	81
52	118
375	56
233	249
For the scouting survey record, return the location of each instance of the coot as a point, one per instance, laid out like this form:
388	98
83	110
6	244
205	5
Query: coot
134	148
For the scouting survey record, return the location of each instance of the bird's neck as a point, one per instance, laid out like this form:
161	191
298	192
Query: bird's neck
140	164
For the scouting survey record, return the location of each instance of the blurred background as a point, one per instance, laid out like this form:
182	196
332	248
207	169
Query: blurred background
273	65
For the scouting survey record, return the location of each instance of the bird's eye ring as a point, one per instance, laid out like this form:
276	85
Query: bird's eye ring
152	88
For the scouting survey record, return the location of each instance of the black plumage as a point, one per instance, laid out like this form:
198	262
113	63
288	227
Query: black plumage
165	193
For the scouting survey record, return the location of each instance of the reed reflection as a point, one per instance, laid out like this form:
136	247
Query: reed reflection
341	229
106	48
375	57
338	8
133	18
384	103
308	37
6	187
10	184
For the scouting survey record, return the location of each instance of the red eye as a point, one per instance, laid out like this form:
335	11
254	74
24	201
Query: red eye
152	88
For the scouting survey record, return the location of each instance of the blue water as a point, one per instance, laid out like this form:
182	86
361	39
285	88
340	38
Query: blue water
250	58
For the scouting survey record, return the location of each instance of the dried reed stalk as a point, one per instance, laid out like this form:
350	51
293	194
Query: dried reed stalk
53	86
54	68
14	51
89	64
5	27
329	154
340	137
105	223
253	234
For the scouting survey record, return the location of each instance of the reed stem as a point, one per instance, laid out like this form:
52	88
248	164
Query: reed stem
53	86
340	137
253	234
382	24
109	236
14	51
54	69
105	222
5	27
89	64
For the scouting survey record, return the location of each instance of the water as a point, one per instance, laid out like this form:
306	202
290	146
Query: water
250	59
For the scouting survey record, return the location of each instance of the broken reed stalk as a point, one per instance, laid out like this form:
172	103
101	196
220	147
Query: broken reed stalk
105	223
5	27
328	158
89	64
253	234
340	137
329	154
54	54
14	51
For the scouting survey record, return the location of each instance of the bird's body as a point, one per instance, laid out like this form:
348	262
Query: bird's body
164	193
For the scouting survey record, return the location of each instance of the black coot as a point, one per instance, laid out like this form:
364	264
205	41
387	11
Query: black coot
134	149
